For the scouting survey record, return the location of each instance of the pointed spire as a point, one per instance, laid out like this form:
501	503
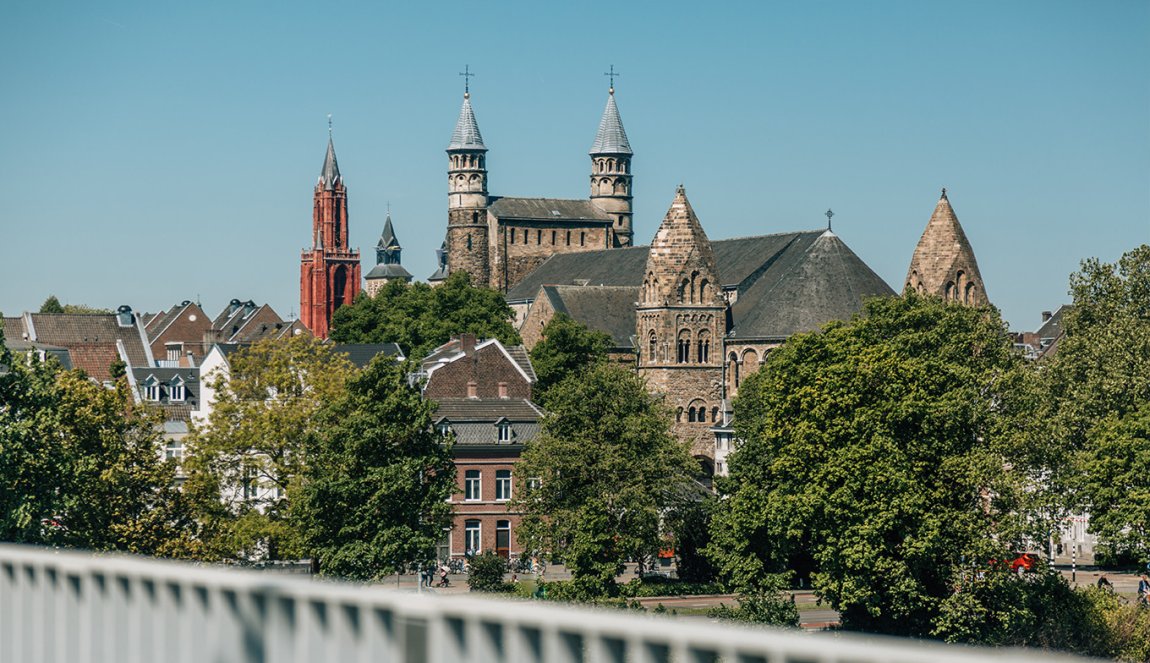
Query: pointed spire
611	137
329	176
388	240
943	263
681	254
466	135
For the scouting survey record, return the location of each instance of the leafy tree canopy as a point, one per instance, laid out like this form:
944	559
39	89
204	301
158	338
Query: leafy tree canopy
80	464
253	449
881	453
378	478
594	483
420	318
567	347
53	305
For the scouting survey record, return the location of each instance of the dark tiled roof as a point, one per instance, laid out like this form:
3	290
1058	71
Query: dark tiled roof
329	176
13	329
453	347
383	271
548	209
1052	328
523	359
804	289
361	354
738	261
611	138
609	309
486	409
21	346
466	135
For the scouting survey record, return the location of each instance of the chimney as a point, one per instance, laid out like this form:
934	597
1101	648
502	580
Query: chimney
503	390
473	389
1047	315
124	316
467	343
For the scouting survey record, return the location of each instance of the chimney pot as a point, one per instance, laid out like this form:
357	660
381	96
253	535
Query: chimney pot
1046	315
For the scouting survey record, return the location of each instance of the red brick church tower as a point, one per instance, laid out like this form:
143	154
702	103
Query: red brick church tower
329	270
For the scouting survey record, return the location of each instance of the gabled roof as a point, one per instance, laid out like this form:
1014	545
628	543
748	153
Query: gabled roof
486	409
605	308
804	289
742	260
547	209
93	340
466	135
611	138
453	351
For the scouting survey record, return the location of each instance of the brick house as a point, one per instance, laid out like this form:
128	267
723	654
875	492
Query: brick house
177	336
483	395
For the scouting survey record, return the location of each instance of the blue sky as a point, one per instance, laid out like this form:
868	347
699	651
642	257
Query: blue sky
155	152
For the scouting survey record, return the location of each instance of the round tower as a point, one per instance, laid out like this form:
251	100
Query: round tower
611	171
467	247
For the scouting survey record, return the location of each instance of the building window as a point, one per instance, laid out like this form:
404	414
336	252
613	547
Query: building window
472	537
472	488
704	353
533	484
445	430
684	354
582	238
174	351
151	389
568	238
512	235
504	433
503	538
538	236
553	238
502	485
174	450
176	391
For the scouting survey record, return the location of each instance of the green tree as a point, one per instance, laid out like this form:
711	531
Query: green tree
378	478
80	464
881	453
485	573
1099	383
420	318
246	462
567	347
51	305
594	484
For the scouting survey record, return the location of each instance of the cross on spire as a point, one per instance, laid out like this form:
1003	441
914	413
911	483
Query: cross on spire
612	73
466	74
829	215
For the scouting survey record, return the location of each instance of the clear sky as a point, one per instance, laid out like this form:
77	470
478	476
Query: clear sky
155	152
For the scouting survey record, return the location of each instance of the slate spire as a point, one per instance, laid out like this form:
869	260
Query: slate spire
611	137
388	250
466	135
943	263
330	176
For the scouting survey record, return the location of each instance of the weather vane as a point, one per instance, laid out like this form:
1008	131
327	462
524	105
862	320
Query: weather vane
829	215
329	124
612	73
466	74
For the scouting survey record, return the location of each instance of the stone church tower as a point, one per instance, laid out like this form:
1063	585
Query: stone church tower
943	263
681	323
467	236
329	270
611	171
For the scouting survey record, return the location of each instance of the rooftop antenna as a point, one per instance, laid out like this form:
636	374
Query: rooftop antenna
829	215
466	74
329	125
612	73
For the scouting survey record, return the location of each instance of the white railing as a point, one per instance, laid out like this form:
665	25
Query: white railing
76	607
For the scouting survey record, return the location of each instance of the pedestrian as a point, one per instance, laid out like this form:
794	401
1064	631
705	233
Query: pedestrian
1143	590
1103	583
443	581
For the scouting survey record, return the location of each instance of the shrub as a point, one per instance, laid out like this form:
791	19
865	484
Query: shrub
486	573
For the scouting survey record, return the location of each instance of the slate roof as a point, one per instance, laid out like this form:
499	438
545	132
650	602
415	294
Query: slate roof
388	239
739	262
173	410
19	346
1052	328
474	420
445	354
548	209
361	354
801	291
385	271
609	309
330	176
466	135
611	138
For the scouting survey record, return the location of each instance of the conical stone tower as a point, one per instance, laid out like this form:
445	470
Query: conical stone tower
943	264
680	323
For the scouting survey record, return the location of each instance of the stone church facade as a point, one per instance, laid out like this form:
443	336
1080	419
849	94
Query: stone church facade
499	240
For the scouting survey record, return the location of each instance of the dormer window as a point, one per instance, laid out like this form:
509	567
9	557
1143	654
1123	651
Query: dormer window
444	430
152	389
504	432
176	391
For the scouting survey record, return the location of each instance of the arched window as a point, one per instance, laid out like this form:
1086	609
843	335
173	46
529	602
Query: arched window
691	415
949	293
684	290
751	360
968	294
684	347
733	370
469	242
704	346
651	346
704	291
697	411
714	415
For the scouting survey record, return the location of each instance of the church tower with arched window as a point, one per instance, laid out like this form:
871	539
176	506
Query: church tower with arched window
329	269
681	322
943	263
467	235
611	171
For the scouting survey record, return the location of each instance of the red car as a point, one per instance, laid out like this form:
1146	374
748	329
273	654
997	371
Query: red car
1024	563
